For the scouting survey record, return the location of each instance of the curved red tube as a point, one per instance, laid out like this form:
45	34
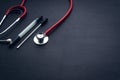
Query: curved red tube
22	3
21	7
62	19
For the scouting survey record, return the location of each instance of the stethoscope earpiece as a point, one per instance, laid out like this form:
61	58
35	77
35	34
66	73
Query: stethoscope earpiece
7	41
41	39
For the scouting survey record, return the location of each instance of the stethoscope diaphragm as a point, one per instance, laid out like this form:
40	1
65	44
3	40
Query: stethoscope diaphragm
41	39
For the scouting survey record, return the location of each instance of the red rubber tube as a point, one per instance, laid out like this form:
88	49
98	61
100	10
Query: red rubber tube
22	3
23	8
20	6
62	19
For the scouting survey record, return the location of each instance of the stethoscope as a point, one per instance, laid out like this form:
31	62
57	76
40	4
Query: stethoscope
42	38
39	39
19	7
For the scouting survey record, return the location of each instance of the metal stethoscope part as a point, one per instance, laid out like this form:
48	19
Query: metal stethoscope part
7	41
41	39
16	7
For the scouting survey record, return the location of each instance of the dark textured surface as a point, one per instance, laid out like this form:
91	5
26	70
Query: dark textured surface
85	47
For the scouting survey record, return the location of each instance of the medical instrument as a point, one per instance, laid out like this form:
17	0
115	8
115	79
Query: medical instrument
7	41
19	7
27	29
42	38
41	24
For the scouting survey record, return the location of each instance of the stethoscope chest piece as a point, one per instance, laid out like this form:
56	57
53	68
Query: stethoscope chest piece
41	39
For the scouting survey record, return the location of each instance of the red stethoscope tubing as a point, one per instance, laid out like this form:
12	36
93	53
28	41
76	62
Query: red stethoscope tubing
22	3
60	20
23	8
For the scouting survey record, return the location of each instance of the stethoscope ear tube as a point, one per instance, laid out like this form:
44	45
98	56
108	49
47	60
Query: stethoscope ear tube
22	8
4	31
24	12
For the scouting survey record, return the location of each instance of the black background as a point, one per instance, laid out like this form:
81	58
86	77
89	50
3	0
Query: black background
85	47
